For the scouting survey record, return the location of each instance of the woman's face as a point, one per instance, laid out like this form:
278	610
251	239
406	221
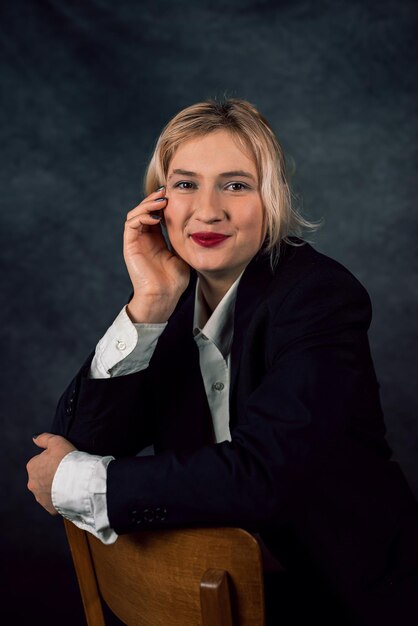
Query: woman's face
214	213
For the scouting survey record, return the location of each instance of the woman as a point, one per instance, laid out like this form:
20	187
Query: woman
242	357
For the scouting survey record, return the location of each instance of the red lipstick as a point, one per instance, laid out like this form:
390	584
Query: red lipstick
208	239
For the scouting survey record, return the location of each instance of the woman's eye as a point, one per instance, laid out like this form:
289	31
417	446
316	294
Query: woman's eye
237	186
184	184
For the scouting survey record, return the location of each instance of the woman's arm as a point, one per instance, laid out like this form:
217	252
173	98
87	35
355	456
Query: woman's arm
106	416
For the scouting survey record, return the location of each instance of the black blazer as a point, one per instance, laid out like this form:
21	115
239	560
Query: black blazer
308	465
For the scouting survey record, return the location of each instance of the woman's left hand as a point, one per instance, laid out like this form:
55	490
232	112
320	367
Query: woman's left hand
42	467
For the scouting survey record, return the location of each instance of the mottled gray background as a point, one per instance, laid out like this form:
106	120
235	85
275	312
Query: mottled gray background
86	86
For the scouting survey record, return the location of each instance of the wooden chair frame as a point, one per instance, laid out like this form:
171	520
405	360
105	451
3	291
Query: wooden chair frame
185	577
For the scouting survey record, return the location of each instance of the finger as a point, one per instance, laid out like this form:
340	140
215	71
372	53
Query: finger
143	223
42	440
29	465
148	205
148	208
145	219
158	193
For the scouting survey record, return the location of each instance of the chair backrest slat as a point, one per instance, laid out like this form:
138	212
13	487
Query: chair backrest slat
215	598
168	577
86	577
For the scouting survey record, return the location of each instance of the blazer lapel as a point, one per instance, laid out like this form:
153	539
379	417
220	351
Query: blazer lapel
254	284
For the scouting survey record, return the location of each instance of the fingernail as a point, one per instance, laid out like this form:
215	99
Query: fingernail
35	436
161	188
155	217
160	199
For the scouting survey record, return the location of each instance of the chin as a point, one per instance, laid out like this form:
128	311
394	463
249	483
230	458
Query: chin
208	265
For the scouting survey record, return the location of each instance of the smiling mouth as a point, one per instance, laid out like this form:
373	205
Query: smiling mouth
208	239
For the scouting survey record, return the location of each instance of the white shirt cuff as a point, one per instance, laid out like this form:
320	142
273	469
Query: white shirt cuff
79	493
125	348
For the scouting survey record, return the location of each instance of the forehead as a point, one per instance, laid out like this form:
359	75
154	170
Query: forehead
216	151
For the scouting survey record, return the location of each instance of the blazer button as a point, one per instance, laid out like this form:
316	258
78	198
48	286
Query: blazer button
135	517
70	404
148	515
160	514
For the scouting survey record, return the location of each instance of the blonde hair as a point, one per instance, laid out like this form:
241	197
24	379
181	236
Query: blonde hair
252	131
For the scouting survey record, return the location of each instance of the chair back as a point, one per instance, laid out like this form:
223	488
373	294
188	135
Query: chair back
185	577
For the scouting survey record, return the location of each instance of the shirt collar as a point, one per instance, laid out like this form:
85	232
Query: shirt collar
218	327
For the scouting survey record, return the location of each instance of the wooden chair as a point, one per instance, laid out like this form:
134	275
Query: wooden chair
187	577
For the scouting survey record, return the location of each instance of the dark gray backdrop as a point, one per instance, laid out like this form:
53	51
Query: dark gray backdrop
86	87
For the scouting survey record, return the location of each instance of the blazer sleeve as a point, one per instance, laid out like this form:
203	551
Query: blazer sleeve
112	416
316	396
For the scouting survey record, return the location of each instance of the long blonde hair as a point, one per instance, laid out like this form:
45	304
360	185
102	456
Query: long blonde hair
253	133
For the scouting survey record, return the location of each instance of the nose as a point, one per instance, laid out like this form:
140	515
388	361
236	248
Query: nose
208	207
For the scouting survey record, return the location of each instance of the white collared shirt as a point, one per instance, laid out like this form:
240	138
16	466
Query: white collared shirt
79	485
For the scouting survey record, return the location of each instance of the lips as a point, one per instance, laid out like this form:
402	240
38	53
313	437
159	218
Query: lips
208	239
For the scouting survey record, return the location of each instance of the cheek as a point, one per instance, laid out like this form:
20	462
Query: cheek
252	222
173	218
173	231
177	209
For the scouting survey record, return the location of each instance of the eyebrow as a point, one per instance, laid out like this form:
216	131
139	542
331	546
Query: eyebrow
240	173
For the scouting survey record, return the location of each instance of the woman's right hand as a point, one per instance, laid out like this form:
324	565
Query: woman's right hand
158	276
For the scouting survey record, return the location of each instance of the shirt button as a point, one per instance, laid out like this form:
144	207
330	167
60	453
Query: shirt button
218	386
121	345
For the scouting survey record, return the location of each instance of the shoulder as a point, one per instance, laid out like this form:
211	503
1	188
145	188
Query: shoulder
303	263
302	280
298	265
318	288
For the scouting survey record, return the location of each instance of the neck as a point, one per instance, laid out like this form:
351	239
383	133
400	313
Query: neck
214	290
